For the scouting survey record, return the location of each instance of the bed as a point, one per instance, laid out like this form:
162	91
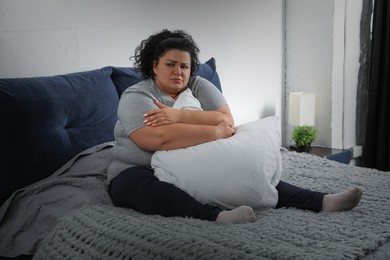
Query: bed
55	142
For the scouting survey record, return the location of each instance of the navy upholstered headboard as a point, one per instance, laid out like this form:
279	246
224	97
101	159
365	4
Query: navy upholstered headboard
45	121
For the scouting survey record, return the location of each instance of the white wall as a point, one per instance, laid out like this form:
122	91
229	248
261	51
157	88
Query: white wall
309	42
322	56
352	66
39	38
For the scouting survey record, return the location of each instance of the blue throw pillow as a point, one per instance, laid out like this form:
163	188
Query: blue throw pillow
45	121
124	77
208	70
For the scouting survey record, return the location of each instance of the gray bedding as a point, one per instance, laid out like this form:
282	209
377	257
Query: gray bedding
79	222
31	212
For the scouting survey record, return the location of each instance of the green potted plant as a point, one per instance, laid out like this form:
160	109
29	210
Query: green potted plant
304	136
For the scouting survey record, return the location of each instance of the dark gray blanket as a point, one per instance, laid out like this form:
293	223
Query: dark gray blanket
30	213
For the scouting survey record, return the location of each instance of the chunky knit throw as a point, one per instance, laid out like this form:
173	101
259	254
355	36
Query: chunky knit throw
105	232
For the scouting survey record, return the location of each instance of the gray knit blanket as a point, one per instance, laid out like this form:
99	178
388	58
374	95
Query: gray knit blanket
107	232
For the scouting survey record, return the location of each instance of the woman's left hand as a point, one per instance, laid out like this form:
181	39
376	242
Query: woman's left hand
165	115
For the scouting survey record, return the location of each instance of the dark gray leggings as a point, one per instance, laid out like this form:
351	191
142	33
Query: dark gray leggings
137	188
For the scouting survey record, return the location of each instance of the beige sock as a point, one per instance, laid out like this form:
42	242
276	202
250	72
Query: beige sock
241	214
342	201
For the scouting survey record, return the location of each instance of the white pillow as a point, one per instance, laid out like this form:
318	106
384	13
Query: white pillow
240	170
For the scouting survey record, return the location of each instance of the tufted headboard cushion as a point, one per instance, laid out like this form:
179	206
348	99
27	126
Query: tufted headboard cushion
45	121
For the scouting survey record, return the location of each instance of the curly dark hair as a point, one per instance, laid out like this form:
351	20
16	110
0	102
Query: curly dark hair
152	48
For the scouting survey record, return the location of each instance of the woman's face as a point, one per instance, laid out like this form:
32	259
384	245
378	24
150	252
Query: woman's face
172	72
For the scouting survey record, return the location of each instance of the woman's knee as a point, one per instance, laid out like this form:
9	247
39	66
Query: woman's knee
123	188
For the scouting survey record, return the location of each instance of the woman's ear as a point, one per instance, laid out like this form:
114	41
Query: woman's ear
155	63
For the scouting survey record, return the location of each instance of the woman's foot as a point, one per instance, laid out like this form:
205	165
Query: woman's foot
342	201
241	214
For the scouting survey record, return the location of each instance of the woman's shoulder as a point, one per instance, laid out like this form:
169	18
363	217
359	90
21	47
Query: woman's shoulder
196	82
145	85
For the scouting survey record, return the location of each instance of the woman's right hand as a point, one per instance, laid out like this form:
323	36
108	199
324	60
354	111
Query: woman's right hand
224	130
164	115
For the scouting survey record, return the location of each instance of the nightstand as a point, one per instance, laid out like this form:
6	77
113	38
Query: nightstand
338	155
